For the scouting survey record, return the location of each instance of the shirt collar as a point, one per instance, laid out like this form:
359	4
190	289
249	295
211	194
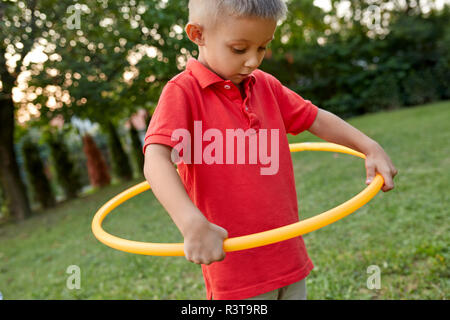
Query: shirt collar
206	77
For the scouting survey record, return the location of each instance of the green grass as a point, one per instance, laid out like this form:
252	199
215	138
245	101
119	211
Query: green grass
404	232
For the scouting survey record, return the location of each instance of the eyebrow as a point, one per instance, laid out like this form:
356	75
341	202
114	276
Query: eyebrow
245	40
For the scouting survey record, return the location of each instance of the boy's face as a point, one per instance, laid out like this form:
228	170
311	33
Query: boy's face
235	47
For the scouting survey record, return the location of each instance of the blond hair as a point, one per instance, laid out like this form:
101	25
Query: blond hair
209	12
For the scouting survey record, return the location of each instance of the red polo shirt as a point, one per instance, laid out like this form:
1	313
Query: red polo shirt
237	196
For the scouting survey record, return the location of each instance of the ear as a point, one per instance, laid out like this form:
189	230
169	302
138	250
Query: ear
195	33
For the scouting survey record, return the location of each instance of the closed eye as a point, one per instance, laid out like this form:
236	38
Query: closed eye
238	51
243	50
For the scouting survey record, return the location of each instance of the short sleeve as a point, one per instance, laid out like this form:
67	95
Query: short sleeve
298	114
172	112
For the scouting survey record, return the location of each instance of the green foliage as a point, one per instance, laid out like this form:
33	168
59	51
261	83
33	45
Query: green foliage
35	172
4	211
346	73
382	92
120	163
67	175
351	73
95	57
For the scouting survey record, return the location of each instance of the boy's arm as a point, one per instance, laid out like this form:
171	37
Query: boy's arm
203	241
331	128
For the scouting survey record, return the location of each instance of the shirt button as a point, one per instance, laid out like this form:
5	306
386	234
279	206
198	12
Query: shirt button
226	86
246	108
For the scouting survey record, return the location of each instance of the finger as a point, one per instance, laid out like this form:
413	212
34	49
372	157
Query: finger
198	261
370	172
394	172
223	232
210	260
223	255
215	258
193	260
388	182
187	253
192	257
220	255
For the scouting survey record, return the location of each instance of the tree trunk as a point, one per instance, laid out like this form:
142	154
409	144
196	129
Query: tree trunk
119	159
12	184
68	177
37	179
136	150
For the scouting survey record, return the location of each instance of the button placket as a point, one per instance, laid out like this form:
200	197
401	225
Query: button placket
246	101
232	92
252	117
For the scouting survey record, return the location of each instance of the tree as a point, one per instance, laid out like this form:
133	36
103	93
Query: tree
119	159
136	150
86	64
68	178
36	176
15	18
112	63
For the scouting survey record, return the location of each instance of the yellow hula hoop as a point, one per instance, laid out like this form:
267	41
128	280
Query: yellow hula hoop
243	242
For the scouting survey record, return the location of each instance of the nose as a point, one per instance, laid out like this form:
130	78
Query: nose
252	62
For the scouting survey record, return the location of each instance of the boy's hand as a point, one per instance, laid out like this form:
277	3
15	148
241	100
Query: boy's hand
203	242
378	161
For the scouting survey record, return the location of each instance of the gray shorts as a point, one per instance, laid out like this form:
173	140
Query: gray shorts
295	291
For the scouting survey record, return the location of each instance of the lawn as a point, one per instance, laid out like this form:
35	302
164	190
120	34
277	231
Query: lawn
404	232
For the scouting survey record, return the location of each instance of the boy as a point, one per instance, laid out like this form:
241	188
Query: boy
221	92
